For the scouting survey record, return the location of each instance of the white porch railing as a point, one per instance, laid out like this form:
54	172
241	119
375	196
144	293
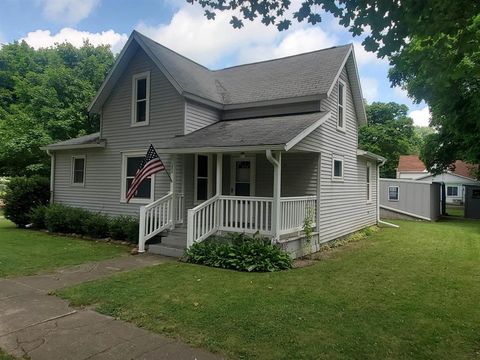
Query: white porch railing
294	211
247	215
159	216
202	221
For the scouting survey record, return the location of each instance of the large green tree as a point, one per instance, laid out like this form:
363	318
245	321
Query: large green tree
433	47
44	96
390	133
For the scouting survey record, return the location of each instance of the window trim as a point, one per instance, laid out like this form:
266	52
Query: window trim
135	78
368	181
341	159
72	171
342	128
398	192
209	178
123	178
453	187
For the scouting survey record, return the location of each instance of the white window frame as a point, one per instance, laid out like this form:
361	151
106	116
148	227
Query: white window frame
209	178
343	106
136	77
341	159
398	193
123	187
369	182
453	187
72	173
253	171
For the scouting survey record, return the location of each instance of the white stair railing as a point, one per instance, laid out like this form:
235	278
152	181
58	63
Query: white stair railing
179	208
155	218
294	210
202	221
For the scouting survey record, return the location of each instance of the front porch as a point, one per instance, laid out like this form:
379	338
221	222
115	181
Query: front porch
277	217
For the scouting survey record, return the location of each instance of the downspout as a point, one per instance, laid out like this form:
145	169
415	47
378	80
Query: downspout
52	175
378	199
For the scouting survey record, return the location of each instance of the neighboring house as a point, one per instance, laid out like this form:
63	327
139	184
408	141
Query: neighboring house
251	148
455	179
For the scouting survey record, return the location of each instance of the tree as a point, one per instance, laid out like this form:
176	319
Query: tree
433	47
44	96
390	133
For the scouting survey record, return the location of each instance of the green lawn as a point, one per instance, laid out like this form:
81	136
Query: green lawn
5	356
455	210
412	292
25	252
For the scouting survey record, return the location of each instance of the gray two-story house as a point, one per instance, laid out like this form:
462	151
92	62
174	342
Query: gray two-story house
254	148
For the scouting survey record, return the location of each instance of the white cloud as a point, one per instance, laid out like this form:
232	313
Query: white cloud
401	94
44	38
365	57
68	11
207	41
370	89
421	117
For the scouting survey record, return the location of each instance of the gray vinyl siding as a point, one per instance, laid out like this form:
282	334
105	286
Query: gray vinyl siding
199	116
414	197
103	167
343	204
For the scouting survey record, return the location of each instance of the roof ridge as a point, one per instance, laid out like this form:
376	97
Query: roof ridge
283	57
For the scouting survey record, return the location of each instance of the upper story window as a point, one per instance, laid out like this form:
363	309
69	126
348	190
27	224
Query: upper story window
393	193
78	170
337	168
141	99
341	121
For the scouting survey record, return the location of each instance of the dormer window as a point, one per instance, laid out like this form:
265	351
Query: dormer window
140	99
341	121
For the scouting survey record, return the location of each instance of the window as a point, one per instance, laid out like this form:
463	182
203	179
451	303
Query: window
452	191
130	164
203	189
341	124
369	185
337	168
78	170
140	99
393	193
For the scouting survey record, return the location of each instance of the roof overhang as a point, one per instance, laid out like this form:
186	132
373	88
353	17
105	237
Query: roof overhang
101	144
370	156
222	149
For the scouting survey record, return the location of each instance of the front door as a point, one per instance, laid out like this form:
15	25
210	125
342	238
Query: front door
243	176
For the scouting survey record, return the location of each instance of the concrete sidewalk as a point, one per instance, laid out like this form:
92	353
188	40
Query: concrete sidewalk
36	325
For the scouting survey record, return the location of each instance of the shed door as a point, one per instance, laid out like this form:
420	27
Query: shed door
243	176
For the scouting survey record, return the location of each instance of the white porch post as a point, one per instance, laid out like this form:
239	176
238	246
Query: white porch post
277	185
218	192
141	237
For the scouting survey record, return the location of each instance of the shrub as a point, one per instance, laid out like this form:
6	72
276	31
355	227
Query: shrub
22	194
97	226
124	228
66	219
242	254
37	216
3	186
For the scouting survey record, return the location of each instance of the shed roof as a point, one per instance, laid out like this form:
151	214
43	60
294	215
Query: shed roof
410	163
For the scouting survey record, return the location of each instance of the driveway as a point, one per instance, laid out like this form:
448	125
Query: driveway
36	325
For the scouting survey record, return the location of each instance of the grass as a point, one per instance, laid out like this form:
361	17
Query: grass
404	293
455	210
5	356
26	252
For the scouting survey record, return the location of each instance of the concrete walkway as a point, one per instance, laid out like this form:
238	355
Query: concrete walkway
36	325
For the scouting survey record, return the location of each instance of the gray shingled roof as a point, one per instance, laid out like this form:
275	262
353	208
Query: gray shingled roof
91	139
267	131
294	76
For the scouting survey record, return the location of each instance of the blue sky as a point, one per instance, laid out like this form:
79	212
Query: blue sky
182	27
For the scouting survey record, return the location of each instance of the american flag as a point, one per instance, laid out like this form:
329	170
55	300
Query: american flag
150	165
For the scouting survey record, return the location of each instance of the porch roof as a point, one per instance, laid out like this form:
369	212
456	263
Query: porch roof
274	133
87	141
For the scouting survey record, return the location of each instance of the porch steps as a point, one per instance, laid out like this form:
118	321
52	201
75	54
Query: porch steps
173	243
